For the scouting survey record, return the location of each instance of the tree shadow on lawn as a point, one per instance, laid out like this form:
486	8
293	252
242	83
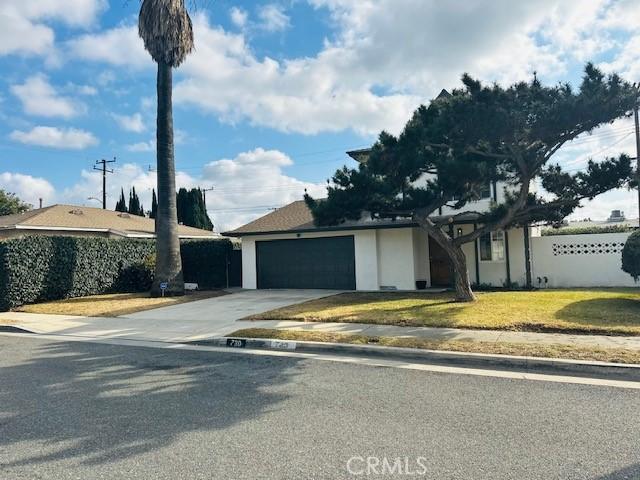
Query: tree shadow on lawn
102	403
602	311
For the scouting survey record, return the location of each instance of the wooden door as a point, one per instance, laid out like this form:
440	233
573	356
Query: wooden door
440	265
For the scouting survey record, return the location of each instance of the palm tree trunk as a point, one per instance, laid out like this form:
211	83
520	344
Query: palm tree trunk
168	262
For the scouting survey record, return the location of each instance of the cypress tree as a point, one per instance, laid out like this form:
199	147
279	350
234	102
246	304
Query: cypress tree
121	204
135	207
154	204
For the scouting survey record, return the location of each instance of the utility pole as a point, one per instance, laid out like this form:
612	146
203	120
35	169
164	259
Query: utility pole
204	195
104	171
635	117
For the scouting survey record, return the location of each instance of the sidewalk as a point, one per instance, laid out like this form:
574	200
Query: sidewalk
189	330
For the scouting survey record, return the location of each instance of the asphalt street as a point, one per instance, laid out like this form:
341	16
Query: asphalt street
75	410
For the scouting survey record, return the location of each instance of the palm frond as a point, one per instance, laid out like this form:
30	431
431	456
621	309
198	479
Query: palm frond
166	29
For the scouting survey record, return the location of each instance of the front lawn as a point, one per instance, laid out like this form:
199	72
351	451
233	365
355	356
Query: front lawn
606	311
113	304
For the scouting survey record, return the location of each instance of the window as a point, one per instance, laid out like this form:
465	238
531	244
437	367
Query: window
485	192
492	247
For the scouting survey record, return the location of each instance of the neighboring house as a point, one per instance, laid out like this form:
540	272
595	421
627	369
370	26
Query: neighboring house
284	249
86	222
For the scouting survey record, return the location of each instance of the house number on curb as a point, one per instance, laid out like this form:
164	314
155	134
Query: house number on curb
283	345
236	343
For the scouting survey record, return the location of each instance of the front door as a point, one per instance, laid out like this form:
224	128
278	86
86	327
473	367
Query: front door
440	265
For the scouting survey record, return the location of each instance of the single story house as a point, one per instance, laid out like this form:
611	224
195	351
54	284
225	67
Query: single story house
284	249
78	221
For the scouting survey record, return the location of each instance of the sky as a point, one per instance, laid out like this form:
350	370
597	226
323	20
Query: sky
276	92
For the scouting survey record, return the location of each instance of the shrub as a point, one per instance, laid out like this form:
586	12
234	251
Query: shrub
205	262
41	268
548	232
631	255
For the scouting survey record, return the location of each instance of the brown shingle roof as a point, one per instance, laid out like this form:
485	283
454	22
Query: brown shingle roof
296	217
91	219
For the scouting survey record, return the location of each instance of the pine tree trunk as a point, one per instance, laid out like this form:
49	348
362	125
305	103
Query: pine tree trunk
458	259
168	262
461	280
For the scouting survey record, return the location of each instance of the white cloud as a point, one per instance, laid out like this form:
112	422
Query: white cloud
130	123
19	35
39	97
249	180
124	176
27	188
273	18
61	138
244	186
149	146
120	46
22	22
385	58
87	90
238	16
106	78
76	13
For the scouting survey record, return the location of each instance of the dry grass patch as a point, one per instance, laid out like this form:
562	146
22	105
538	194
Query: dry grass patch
113	304
617	355
603	311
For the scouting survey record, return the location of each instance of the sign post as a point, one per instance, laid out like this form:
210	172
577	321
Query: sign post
163	287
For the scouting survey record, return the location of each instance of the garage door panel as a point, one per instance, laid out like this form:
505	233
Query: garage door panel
307	263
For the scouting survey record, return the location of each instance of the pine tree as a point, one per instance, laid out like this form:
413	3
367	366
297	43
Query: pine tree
121	204
480	135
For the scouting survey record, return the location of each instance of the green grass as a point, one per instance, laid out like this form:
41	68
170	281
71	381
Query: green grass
617	355
604	311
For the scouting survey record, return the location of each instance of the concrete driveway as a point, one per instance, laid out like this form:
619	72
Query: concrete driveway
207	318
229	308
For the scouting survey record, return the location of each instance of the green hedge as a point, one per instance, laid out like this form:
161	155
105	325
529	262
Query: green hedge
631	255
41	268
205	262
549	232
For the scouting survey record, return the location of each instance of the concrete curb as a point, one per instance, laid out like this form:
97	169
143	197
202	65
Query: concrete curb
557	366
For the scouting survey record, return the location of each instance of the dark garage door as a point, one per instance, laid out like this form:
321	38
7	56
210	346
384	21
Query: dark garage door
307	263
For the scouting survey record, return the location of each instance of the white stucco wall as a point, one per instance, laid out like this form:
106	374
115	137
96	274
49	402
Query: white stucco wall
365	245
580	260
249	271
395	258
421	268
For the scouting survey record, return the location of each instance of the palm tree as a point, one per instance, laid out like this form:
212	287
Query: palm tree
165	28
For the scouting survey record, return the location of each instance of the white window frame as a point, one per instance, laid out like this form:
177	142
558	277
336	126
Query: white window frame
497	237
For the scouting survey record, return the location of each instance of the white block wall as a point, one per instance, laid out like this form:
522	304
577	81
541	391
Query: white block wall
593	260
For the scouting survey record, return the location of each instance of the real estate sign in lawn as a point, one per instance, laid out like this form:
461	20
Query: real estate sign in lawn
608	311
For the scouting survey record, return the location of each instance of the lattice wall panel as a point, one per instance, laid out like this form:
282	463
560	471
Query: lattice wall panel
592	248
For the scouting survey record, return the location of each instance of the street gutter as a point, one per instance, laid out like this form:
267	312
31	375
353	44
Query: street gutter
552	366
